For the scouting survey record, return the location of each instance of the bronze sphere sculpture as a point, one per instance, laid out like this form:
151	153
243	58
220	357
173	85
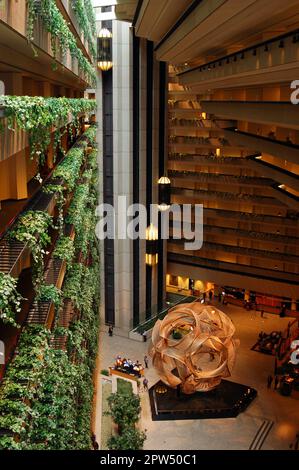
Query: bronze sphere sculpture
196	342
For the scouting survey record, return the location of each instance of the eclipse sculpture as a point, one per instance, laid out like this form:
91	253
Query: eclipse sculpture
193	347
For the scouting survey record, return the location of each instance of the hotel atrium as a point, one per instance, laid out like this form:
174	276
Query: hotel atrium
112	112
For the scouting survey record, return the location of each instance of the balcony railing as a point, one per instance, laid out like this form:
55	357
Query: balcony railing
261	56
235	268
245	251
282	113
282	149
226	196
220	179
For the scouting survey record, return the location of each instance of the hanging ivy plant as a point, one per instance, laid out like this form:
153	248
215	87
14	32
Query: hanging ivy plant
49	293
58	190
10	299
76	209
38	116
86	19
55	24
69	168
32	228
65	250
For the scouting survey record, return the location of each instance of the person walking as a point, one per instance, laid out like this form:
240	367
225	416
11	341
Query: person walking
145	361
204	295
143	334
110	330
211	295
262	313
95	445
145	384
276	382
269	381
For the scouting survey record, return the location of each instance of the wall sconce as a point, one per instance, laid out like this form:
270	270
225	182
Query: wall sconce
151	256
204	115
164	193
218	152
105	50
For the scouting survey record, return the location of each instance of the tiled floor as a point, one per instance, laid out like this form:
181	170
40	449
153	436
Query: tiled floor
270	422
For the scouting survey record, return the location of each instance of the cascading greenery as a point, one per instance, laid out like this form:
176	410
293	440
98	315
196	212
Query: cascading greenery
76	209
69	168
49	293
65	250
62	38
10	299
58	190
33	229
38	116
86	19
46	395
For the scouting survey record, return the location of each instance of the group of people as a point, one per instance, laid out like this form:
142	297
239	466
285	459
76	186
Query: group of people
130	367
269	343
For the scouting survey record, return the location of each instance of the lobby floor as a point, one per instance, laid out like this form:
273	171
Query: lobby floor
271	421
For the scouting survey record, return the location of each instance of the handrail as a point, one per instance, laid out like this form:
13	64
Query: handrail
267	139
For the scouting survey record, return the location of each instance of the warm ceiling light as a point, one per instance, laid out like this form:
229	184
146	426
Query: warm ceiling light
164	180
218	152
163	207
259	157
282	186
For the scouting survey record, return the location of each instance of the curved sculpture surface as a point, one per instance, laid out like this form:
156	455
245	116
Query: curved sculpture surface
193	347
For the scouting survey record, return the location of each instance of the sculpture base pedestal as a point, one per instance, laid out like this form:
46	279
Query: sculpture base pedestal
225	401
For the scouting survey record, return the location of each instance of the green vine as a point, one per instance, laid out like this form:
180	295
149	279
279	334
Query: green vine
65	250
69	169
55	24
10	299
76	209
86	20
38	116
49	293
32	228
58	190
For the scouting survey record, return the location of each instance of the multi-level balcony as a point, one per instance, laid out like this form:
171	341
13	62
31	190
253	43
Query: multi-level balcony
286	195
257	163
19	55
241	255
231	273
283	114
258	143
190	144
200	178
271	61
210	27
213	199
285	223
